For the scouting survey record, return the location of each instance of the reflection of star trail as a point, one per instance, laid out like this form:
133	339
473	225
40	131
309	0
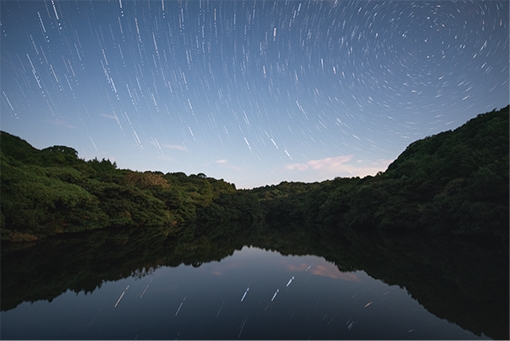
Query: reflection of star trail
276	293
350	323
246	292
242	326
147	287
218	314
122	295
180	306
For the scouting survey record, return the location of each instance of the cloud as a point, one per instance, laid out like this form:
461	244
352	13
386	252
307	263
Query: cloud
176	147
224	164
62	123
165	158
112	117
327	271
342	165
329	163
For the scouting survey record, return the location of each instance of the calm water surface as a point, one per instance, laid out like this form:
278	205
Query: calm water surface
249	293
253	294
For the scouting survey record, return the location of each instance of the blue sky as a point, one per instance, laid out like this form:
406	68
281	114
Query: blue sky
254	92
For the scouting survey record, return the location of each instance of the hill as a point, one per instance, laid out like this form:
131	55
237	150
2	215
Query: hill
454	182
51	191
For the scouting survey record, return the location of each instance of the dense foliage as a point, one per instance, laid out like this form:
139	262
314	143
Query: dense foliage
50	191
454	182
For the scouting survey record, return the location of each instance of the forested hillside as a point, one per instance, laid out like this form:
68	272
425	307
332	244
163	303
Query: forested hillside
454	182
50	191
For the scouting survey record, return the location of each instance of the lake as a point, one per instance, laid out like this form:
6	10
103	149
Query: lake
235	281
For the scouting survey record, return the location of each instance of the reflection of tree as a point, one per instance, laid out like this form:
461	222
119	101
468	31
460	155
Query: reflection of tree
462	280
83	262
456	279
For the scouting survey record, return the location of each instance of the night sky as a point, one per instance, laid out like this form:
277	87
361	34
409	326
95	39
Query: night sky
254	92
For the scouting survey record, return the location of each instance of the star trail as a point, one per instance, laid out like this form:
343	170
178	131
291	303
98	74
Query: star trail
254	92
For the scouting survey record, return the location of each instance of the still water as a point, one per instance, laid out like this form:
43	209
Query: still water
251	293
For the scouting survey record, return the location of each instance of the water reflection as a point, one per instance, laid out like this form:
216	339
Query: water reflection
166	283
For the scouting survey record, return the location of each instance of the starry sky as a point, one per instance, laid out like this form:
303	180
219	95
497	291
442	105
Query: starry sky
253	92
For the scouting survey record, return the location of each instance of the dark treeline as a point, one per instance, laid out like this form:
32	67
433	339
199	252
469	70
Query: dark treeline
454	182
